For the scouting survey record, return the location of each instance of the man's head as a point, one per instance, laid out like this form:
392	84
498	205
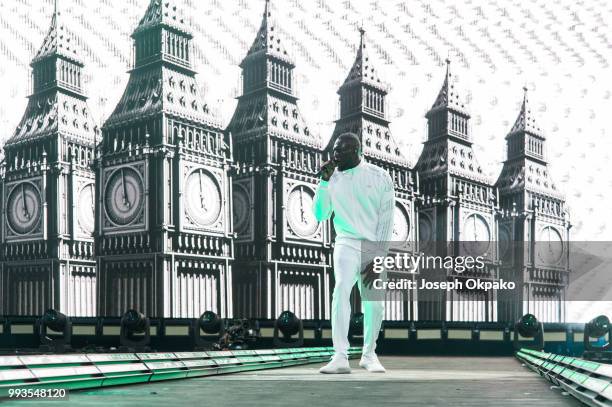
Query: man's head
347	151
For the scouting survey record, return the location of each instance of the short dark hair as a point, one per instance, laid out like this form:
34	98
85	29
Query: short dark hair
352	138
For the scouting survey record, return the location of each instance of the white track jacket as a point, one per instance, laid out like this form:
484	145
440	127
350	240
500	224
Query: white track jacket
362	201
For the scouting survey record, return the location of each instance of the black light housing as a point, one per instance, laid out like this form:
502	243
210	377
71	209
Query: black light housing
288	324
53	320
134	321
598	327
135	330
209	323
528	326
356	326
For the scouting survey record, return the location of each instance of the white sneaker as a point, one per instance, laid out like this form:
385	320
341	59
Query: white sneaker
337	364
371	364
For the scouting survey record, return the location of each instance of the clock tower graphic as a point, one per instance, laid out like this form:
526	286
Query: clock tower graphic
534	228
282	256
457	212
164	237
48	189
363	111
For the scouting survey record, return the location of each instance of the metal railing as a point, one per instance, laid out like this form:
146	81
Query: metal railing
94	370
589	382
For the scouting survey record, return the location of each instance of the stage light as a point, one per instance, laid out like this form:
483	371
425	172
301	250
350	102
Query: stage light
356	324
57	322
209	323
528	326
134	321
288	324
599	327
355	334
54	320
135	331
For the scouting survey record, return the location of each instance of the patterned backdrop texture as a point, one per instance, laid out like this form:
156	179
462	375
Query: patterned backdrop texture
560	50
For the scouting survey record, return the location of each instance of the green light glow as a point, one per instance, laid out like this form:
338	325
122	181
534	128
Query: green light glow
104	370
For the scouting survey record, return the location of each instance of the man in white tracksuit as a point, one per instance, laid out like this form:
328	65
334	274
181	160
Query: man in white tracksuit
360	195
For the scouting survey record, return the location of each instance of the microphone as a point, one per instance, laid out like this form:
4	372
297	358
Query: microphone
327	166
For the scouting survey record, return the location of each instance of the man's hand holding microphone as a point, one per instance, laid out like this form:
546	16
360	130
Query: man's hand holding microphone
327	169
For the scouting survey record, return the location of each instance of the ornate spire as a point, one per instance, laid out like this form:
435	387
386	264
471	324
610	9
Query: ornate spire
448	98
163	12
526	166
525	120
362	70
57	104
365	115
268	41
155	88
58	42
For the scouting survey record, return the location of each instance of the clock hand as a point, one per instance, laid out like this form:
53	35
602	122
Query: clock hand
93	206
302	206
126	202
26	213
550	249
202	201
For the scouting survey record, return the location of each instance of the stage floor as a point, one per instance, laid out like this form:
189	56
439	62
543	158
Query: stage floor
409	381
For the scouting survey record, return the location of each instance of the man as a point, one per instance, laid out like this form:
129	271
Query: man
361	197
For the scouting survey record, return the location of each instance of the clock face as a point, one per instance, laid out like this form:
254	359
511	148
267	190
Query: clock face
550	245
401	225
242	210
124	196
425	232
504	242
86	208
203	198
299	214
23	208
476	236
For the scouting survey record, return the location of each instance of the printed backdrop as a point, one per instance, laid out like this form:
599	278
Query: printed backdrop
561	50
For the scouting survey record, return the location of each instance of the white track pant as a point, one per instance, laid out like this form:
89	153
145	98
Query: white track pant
348	264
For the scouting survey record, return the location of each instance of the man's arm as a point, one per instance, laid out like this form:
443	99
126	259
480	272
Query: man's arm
384	228
322	205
